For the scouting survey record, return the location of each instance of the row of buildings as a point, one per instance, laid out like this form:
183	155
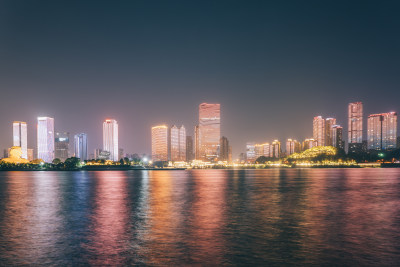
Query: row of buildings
173	144
381	135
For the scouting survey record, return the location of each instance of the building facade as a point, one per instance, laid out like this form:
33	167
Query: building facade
224	149
209	131
355	123
81	146
337	137
329	122
189	149
319	130
159	143
61	145
382	131
251	152
292	146
177	143
110	138
20	137
45	139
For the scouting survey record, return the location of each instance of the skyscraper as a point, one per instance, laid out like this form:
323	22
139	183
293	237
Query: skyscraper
355	131
209	131
45	139
337	137
382	131
319	130
251	152
62	146
189	149
81	146
292	146
20	137
196	142
177	143
110	138
224	149
329	122
159	143
309	143
276	149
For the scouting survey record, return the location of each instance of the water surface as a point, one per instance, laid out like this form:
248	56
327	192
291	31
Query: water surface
210	217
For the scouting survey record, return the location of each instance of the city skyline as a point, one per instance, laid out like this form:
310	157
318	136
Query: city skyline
327	129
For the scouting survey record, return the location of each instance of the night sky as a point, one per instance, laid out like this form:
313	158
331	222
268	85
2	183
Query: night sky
273	65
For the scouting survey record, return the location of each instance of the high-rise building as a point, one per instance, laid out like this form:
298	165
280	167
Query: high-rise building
31	154
159	143
209	131
177	143
337	137
276	149
189	149
110	138
81	146
196	142
259	150
97	153
20	137
329	122
309	143
45	139
292	146
62	145
267	150
355	131
251	152
319	130
224	149
382	131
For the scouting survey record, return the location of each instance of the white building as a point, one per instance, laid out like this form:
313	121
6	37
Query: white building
110	138
20	137
45	139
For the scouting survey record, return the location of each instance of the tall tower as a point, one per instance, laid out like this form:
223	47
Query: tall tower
329	122
62	145
209	131
110	138
45	139
159	143
355	131
81	146
319	130
382	131
224	149
20	137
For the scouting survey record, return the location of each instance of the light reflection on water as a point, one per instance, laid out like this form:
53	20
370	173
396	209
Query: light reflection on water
209	217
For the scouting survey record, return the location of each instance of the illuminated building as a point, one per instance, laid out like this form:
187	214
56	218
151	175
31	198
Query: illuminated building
209	131
62	146
97	153
276	149
382	131
292	146
20	137
251	152
309	143
81	146
196	142
110	138
224	149
319	130
177	143
189	149
45	139
259	150
337	137
355	131
159	143
120	153
329	122
266	150
31	154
